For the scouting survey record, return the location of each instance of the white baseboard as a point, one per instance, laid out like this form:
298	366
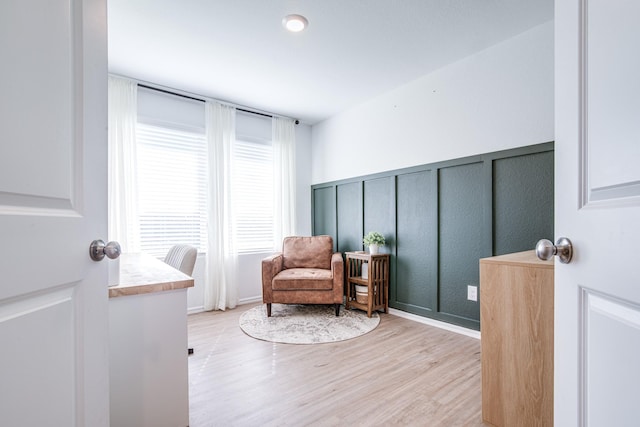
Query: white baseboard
200	309
194	310
438	324
250	300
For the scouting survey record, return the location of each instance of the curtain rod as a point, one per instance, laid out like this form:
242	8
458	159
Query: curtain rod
296	121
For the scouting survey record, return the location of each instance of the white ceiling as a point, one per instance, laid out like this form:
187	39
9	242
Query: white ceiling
238	51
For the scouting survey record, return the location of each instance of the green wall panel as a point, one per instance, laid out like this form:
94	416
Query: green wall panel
379	209
324	212
416	247
522	202
380	215
461	222
349	217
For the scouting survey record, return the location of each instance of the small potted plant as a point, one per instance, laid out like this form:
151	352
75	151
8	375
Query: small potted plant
374	240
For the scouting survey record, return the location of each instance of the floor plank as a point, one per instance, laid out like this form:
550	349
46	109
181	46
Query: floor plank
402	373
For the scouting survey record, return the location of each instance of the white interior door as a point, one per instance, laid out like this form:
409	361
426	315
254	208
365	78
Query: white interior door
53	142
597	302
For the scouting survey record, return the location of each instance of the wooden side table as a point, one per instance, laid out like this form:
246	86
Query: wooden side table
377	281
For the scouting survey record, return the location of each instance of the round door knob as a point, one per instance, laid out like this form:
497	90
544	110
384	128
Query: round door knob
99	249
563	249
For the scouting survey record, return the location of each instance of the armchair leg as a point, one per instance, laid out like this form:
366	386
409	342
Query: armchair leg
337	310
268	309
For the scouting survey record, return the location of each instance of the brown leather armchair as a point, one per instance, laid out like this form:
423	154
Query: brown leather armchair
305	272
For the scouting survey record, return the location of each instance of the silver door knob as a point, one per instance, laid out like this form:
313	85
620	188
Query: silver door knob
99	249
545	249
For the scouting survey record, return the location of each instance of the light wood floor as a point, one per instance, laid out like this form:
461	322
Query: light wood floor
402	373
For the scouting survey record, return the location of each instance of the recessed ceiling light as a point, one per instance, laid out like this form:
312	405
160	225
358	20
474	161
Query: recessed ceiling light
295	23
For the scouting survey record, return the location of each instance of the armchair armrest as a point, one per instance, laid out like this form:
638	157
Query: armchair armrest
271	266
337	271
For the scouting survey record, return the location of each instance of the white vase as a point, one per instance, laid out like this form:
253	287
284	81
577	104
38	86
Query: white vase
373	249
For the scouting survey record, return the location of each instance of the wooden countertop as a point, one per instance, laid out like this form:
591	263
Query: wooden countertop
144	274
525	259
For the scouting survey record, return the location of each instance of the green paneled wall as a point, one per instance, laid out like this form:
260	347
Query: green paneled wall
440	219
417	243
324	216
349	217
379	209
460	239
522	186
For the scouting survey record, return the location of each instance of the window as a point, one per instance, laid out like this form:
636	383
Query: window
253	195
173	177
172	173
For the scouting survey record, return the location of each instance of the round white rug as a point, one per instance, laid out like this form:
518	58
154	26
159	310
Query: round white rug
306	324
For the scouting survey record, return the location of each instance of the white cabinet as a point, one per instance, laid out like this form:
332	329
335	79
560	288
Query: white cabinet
149	379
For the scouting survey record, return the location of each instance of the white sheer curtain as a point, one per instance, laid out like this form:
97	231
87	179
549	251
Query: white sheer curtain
220	290
284	178
123	221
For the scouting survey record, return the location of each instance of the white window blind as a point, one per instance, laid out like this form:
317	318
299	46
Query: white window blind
172	188
253	195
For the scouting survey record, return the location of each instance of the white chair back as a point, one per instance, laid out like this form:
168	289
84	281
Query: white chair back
182	257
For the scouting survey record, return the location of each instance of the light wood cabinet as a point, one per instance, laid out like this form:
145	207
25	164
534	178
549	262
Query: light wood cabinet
516	324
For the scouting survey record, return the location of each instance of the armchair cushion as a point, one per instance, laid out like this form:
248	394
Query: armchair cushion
303	279
307	252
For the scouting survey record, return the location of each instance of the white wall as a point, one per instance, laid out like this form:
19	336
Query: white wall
303	182
249	274
497	99
249	279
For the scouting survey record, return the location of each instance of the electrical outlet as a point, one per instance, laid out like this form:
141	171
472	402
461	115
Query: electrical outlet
472	293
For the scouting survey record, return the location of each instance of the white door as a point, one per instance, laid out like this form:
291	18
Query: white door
53	152
597	302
